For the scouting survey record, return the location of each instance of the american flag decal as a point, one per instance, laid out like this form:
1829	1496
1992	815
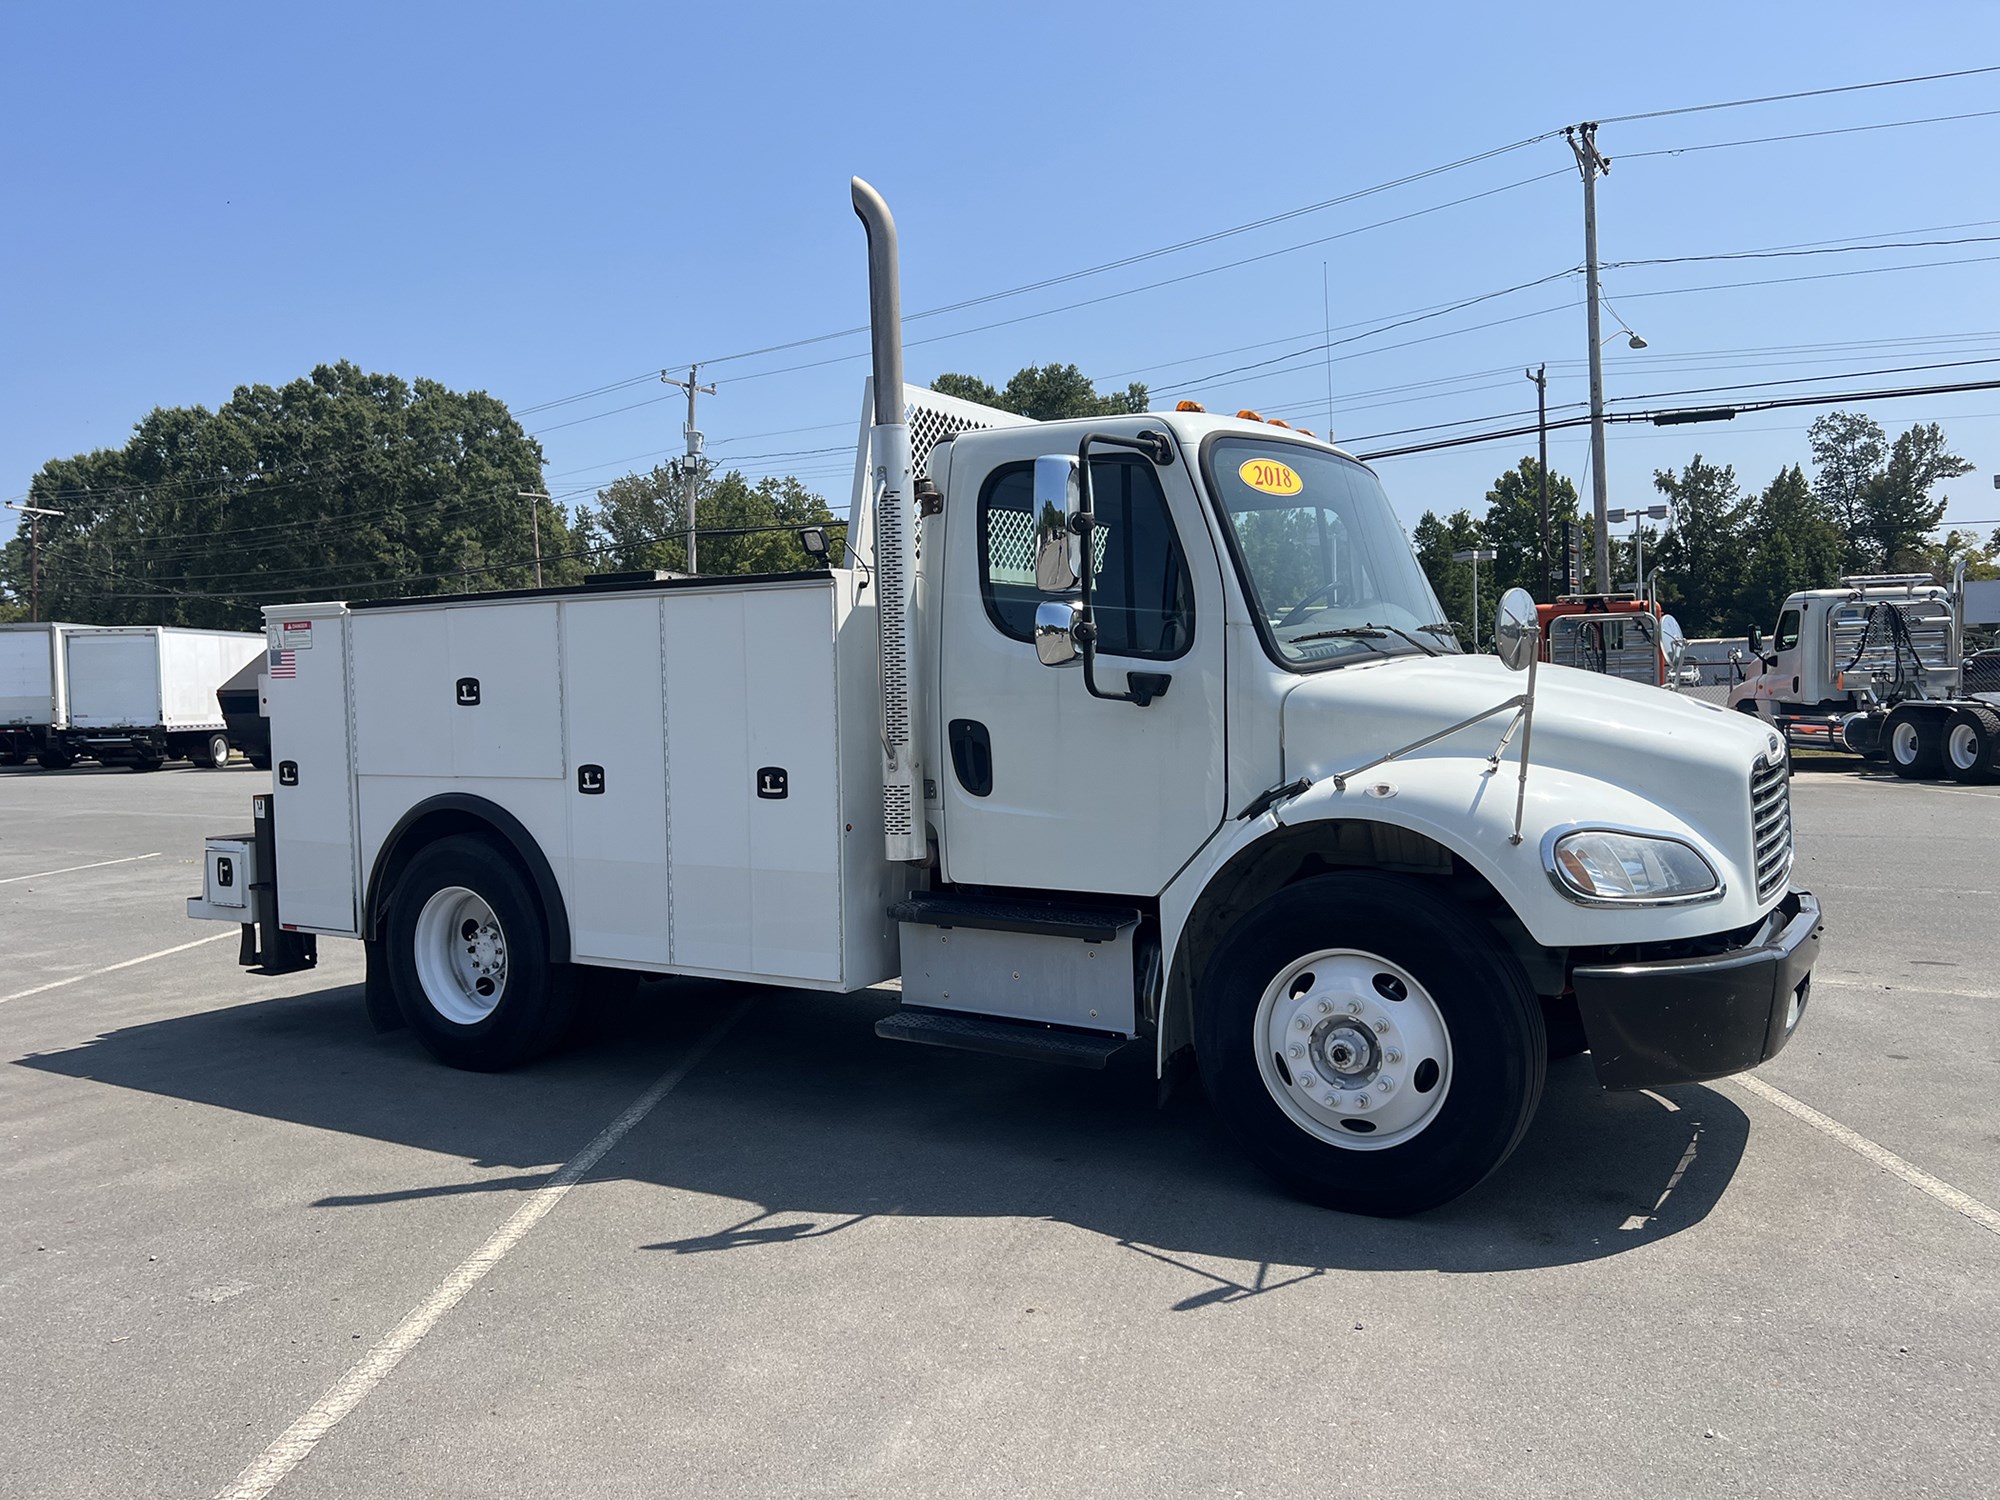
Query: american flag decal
284	664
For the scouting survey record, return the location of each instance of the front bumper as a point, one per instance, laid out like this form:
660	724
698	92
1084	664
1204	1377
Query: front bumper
1682	1020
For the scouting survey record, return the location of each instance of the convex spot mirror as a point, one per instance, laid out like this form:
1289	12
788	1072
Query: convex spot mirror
1515	633
1673	645
1058	549
1055	631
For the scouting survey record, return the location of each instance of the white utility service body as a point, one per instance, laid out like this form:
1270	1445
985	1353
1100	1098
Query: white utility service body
34	696
1233	788
145	693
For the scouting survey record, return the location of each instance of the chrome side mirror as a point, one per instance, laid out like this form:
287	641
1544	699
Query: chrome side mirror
1674	646
1756	640
1516	633
1055	631
1058	549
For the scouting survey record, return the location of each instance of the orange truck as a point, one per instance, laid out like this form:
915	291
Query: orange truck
1620	635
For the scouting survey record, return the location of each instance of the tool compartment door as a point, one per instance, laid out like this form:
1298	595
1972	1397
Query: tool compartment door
614	718
312	780
753	788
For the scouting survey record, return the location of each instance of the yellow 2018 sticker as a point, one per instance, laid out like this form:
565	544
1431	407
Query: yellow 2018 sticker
1270	476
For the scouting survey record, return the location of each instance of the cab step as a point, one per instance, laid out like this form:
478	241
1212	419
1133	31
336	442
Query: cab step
1089	924
1000	1037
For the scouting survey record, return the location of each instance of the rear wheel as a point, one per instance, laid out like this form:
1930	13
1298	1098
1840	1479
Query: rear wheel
468	958
1970	738
147	761
55	760
213	752
1372	1047
1914	744
261	761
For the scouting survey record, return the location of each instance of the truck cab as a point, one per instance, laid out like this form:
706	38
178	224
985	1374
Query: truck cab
1143	732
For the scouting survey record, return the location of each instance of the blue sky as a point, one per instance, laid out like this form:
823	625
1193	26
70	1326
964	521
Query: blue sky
542	200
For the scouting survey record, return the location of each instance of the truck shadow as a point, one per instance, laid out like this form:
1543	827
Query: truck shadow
805	1117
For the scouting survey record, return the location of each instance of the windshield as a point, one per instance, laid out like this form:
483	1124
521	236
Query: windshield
1330	575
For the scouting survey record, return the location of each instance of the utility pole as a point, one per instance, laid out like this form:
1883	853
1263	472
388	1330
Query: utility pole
691	461
1540	376
34	513
535	499
1590	162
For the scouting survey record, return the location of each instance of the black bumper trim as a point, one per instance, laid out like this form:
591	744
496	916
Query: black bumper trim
1684	1020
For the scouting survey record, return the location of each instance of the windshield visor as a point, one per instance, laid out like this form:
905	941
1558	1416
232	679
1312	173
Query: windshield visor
1329	574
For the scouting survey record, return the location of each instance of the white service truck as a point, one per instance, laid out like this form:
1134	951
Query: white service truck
141	695
1231	790
34	694
1876	667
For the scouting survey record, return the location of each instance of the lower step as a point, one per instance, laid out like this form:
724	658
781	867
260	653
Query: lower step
1003	1038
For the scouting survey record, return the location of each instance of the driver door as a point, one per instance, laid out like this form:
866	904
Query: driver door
1041	785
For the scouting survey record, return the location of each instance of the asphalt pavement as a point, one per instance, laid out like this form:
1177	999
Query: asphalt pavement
252	1246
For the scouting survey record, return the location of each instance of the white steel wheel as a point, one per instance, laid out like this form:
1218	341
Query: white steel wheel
461	955
1962	746
1905	743
1353	1049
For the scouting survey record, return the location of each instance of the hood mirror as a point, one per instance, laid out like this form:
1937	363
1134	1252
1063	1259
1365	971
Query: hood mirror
1516	634
1058	549
1674	646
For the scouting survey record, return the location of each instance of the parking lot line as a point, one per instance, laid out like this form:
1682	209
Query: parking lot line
265	1472
1882	1156
130	859
144	958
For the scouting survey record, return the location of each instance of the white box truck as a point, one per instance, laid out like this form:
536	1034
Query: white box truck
141	695
1232	789
34	700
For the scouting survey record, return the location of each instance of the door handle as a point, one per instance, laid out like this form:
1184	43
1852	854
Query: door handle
972	755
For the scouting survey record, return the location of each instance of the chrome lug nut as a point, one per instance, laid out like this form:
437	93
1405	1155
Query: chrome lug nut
1381	1026
1354	1007
1391	1055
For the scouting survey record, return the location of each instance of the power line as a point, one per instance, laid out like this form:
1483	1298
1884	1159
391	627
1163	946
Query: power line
1845	88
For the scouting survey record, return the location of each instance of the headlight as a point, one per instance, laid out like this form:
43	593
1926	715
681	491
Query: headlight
1598	865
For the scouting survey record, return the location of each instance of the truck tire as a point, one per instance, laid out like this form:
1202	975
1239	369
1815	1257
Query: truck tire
11	757
1367	986
147	760
1971	736
55	760
261	761
1915	744
469	960
216	752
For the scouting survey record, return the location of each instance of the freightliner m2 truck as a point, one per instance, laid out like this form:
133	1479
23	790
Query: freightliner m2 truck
1875	666
1139	732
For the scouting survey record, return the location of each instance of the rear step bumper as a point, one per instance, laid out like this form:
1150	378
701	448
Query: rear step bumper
1000	1037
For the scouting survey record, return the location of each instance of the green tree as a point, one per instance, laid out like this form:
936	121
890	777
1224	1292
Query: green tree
1512	528
1700	564
1847	452
342	484
640	523
1047	393
1435	541
1898	513
1790	543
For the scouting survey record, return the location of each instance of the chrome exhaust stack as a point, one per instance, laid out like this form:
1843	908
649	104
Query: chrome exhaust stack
891	482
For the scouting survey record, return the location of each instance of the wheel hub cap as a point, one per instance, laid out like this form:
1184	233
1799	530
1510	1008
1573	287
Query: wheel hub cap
1353	1048
461	955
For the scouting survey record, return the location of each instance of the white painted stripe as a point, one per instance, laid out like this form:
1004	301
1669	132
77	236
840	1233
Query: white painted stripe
266	1471
130	859
1906	986
144	958
1882	1156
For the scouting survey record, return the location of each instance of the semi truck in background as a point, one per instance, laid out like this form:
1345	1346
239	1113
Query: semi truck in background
1138	731
1620	635
1876	667
34	693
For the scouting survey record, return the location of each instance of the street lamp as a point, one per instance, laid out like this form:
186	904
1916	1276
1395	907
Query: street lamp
1475	556
1638	514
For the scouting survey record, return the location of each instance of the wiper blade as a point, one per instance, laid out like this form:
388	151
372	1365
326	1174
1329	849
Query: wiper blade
1364	634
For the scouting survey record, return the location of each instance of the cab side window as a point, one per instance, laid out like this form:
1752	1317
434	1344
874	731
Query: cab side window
1787	634
1141	593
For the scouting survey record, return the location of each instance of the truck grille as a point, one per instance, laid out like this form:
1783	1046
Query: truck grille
1771	824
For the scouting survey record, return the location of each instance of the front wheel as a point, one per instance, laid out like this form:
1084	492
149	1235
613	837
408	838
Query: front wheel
469	960
1372	1046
